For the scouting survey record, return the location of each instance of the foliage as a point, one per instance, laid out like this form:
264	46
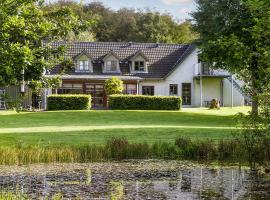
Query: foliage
142	102
127	24
234	35
255	133
37	85
113	86
121	149
69	102
24	26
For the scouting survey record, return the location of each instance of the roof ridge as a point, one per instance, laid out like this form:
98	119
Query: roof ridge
127	43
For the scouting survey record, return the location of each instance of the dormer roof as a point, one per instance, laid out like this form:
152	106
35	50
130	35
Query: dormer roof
111	53
83	53
139	53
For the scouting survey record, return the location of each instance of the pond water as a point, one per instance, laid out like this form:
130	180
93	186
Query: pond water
134	180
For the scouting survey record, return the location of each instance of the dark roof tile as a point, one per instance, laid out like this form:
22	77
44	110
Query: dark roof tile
162	58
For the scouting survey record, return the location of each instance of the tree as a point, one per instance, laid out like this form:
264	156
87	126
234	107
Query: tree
127	24
113	86
24	27
235	35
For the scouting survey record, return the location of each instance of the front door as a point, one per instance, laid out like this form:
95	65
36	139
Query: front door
97	93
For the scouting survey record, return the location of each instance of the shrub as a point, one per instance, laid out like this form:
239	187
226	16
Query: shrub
69	102
113	86
140	102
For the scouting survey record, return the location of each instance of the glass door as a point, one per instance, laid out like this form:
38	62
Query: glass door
97	93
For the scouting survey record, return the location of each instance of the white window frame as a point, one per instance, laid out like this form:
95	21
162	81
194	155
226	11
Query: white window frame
83	65
139	71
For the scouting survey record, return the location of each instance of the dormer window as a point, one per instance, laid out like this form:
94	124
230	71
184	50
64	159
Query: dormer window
83	63
139	65
111	65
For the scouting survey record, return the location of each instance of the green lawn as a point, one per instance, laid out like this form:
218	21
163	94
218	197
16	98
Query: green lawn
95	127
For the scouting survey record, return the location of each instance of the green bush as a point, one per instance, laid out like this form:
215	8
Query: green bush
141	102
69	102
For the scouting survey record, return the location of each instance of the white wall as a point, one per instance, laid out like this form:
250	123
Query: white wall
212	89
184	73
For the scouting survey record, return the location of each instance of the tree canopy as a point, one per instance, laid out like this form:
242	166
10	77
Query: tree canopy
126	24
235	35
24	27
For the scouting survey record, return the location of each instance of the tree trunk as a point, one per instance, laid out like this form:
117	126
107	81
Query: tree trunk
255	105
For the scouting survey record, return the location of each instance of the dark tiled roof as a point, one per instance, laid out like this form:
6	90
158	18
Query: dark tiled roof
163	58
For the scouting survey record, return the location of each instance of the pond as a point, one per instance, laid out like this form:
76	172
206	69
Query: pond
133	179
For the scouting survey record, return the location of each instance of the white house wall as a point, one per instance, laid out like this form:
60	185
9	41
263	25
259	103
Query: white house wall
211	88
184	73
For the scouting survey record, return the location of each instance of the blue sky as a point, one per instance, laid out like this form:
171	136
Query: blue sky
178	8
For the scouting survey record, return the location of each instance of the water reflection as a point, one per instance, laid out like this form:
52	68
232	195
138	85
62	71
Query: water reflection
129	181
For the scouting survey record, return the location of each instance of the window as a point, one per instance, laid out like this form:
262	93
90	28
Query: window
71	88
130	89
139	66
173	89
82	65
148	90
186	93
111	65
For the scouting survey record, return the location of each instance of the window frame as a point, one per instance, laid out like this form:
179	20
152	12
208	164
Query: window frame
189	95
150	88
173	89
83	65
141	66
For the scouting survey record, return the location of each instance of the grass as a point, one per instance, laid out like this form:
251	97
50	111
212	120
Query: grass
96	127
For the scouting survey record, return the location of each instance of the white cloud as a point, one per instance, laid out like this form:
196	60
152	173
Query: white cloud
170	2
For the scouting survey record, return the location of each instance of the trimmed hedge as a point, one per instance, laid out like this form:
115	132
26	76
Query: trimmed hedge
69	102
141	102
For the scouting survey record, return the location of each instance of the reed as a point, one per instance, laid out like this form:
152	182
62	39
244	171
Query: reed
120	148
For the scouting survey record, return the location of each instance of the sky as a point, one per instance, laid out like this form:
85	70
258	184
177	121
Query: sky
179	9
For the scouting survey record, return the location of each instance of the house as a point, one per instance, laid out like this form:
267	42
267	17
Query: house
147	69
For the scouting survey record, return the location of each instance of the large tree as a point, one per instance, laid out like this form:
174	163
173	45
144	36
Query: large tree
235	35
24	27
127	24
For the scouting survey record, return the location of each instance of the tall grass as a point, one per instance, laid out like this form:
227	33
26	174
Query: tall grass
120	148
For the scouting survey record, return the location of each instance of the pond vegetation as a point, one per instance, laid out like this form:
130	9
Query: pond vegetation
224	151
133	179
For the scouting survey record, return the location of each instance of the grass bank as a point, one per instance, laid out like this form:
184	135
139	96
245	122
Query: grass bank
224	151
77	128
